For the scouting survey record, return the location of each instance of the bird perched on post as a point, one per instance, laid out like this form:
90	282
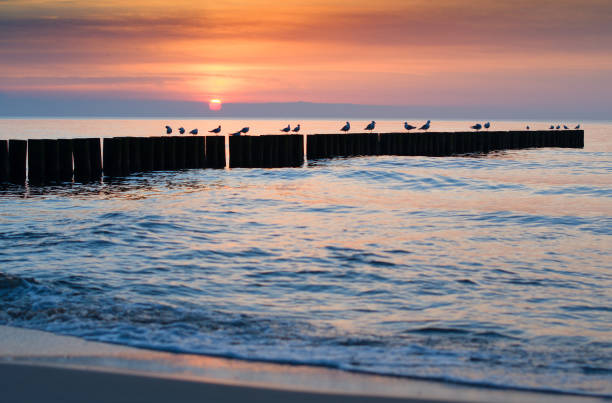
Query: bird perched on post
346	127
565	127
181	130
551	127
528	127
487	125
239	132
168	130
558	127
371	126
296	128
408	127
286	129
577	127
426	126
216	131
194	132
477	126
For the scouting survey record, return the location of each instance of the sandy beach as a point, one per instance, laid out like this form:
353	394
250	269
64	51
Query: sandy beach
38	366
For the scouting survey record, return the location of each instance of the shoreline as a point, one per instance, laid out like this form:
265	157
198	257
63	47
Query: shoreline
37	365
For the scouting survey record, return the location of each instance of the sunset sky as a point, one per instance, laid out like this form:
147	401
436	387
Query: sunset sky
387	52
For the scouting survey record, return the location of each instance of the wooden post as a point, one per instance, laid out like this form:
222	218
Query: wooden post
82	165
257	152
324	143
135	161
169	153
366	144
4	161
124	160
36	161
299	140
201	151
285	149
311	146
385	143
65	159
159	153
17	161
108	155
180	152
580	139
95	158
146	153
52	165
486	142
191	152
235	151
215	151
275	151
335	149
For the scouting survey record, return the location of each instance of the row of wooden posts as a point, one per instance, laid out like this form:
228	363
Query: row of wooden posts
83	159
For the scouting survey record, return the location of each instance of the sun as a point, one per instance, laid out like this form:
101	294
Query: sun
215	105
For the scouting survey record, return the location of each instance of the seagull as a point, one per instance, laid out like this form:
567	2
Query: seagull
487	125
565	127
371	126
558	127
244	130
168	130
296	128
346	127
217	130
286	129
408	127
577	127
477	126
426	125
551	127
194	132
527	127
181	130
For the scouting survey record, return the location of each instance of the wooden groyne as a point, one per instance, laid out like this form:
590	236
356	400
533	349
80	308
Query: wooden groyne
268	151
87	159
437	144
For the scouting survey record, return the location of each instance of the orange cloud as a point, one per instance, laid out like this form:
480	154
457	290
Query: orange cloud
388	52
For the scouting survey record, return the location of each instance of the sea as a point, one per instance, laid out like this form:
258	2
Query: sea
490	269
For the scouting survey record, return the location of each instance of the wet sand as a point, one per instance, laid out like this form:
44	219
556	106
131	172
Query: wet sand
42	367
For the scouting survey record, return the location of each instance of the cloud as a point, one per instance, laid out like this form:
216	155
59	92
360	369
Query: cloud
318	50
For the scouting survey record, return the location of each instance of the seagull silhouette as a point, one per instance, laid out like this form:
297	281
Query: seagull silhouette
565	127
239	132
477	126
408	127
371	126
181	130
168	130
577	127
194	132
286	129
217	130
527	127
426	126
487	125
551	127
346	127
558	127
296	128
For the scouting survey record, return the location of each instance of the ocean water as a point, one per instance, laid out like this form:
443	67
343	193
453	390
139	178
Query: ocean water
492	270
